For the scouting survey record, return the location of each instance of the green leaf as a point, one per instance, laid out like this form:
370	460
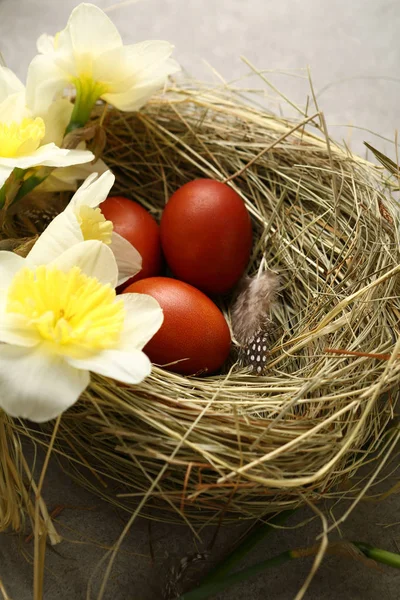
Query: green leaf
256	536
208	590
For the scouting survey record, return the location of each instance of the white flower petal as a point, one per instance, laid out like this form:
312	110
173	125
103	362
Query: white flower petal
56	121
93	191
59	157
48	156
45	81
132	99
94	258
9	83
134	65
38	385
90	31
63	232
129	367
13	108
128	259
136	96
144	317
15	330
148	57
45	44
66	178
10	264
113	66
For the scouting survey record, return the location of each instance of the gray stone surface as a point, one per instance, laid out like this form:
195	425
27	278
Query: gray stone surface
353	50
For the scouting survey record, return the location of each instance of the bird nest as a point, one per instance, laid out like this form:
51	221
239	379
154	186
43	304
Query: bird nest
236	444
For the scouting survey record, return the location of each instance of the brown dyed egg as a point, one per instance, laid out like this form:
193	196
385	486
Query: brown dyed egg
194	331
206	235
135	224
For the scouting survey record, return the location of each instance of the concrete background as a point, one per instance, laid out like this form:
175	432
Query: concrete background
353	50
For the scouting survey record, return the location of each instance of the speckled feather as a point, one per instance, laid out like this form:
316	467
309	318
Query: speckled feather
251	323
252	305
254	354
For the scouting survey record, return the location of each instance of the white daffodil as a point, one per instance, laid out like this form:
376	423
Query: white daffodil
62	319
83	220
56	121
24	140
89	55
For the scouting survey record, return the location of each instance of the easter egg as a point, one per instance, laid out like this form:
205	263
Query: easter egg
194	331
206	235
135	224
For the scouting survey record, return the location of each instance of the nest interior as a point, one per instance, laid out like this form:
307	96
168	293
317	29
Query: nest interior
237	444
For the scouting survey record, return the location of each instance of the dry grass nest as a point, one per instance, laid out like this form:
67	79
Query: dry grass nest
238	445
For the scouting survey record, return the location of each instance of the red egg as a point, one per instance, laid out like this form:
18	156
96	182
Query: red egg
194	330
136	225
206	235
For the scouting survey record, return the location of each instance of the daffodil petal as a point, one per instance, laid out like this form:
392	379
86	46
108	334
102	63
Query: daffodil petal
10	264
56	121
13	108
48	156
135	97
146	66
15	330
128	259
45	44
59	157
45	81
129	367
38	385
9	83
143	319
94	258
151	56
94	190
66	178
63	232
90	30
113	66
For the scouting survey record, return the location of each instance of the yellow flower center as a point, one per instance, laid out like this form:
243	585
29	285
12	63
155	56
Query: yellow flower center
88	89
20	139
94	225
73	311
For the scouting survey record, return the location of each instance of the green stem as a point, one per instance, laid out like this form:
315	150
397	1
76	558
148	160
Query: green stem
209	589
28	185
246	546
87	93
382	556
